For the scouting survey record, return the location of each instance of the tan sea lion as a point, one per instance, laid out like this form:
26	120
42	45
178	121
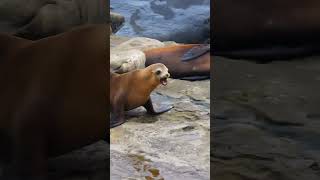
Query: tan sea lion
183	60
131	90
53	97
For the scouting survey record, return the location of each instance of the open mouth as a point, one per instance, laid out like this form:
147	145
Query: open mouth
164	81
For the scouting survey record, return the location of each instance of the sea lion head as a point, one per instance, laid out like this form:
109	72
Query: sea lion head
160	72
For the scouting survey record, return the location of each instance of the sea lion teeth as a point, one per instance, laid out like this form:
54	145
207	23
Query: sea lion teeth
164	81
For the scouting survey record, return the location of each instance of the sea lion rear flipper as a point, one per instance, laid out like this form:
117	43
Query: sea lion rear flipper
150	108
196	52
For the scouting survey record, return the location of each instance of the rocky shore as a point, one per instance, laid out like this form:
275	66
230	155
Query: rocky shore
173	145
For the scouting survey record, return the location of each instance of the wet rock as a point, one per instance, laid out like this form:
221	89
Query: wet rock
117	21
265	122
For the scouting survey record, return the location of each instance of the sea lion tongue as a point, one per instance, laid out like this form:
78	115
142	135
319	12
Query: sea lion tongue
164	81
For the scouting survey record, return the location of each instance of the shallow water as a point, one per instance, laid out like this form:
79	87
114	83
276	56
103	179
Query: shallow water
166	20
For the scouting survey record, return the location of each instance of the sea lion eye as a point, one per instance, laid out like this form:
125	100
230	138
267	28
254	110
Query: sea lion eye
158	72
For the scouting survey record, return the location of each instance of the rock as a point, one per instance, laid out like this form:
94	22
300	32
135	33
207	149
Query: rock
171	145
140	43
117	21
41	18
169	43
127	55
266	124
125	61
116	40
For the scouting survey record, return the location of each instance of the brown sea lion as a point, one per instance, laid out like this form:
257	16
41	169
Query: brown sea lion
53	97
183	60
131	90
265	29
35	19
9	44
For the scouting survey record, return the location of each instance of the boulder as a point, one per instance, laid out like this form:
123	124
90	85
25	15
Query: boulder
125	61
117	21
128	55
140	43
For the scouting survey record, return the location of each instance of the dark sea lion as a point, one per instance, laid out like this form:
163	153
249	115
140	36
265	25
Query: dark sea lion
265	29
35	19
131	90
53	97
183	60
9	44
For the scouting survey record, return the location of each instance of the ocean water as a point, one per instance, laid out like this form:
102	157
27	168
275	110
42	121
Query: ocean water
166	20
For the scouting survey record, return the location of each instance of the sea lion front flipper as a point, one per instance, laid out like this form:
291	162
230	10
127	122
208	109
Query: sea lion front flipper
195	52
117	115
150	109
116	120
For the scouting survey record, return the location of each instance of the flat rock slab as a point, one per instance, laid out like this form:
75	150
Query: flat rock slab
173	145
266	123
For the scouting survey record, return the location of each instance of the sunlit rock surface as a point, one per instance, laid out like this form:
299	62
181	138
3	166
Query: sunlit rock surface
175	143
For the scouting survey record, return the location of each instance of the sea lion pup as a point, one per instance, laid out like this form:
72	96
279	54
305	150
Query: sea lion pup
53	98
131	90
183	60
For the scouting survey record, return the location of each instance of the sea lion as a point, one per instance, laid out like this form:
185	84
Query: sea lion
265	29
37	19
132	89
9	44
53	97
183	60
